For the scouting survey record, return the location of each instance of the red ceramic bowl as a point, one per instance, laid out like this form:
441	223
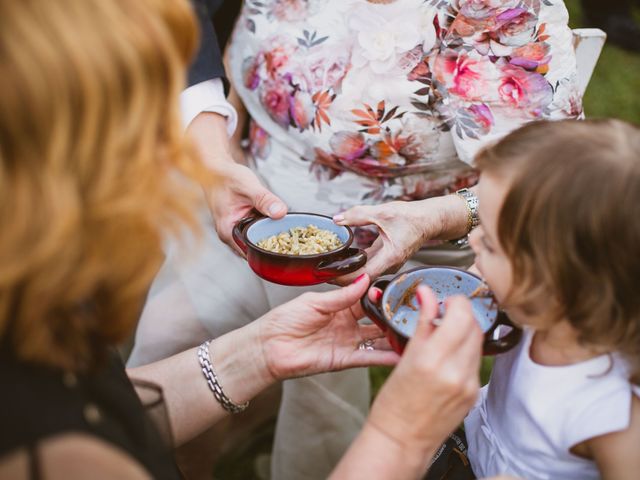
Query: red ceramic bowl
397	312
297	270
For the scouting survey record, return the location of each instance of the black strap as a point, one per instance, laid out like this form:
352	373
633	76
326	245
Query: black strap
35	469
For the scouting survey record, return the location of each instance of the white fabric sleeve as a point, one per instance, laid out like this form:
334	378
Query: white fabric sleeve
507	94
609	412
207	96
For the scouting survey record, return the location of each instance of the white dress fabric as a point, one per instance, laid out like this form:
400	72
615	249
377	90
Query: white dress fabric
529	416
355	102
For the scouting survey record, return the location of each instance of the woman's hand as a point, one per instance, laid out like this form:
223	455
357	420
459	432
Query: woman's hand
436	383
319	332
236	196
424	399
404	227
238	191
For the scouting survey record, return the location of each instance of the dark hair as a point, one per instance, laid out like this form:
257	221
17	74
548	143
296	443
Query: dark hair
570	224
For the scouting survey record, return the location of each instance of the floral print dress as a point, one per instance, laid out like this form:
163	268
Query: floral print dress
360	102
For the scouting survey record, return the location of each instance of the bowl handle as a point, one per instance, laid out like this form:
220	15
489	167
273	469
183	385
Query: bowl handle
238	232
374	309
493	346
355	259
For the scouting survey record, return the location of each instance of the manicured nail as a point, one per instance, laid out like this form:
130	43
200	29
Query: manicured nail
379	294
275	208
338	218
359	278
419	298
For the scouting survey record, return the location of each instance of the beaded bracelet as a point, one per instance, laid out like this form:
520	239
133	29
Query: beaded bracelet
214	384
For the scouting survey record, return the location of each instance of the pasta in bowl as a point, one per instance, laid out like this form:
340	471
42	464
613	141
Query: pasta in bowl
299	249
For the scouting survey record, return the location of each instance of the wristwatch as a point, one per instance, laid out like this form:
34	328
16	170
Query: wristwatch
473	220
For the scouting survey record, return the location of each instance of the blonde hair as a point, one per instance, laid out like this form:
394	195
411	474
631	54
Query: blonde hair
90	147
570	226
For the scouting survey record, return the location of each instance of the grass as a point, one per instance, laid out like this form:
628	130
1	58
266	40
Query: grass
612	91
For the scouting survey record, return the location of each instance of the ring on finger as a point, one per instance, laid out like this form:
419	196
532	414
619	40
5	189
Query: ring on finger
366	344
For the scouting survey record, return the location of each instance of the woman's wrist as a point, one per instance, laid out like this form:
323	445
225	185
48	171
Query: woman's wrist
451	219
375	454
239	362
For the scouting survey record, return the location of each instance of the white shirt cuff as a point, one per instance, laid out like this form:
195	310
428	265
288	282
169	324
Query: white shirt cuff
207	96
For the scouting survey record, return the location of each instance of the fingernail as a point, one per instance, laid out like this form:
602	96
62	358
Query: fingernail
419	298
359	278
378	295
338	218
275	208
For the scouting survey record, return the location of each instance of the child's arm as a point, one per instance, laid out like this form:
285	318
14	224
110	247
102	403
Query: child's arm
618	454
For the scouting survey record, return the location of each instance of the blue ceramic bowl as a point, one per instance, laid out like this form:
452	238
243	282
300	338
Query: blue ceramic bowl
397	312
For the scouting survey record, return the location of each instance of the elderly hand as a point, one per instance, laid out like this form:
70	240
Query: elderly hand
319	332
436	382
404	227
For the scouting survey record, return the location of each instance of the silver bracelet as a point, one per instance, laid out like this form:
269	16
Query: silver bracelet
212	381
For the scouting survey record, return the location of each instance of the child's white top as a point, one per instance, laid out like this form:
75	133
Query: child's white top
530	415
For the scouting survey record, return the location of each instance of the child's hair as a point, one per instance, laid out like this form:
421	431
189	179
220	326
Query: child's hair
570	224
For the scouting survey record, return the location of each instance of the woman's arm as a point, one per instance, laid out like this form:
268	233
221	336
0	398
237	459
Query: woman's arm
317	332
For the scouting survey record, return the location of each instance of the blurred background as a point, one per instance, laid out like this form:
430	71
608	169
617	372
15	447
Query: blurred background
612	92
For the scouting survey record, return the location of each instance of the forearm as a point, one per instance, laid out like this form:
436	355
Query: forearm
243	116
208	131
241	370
452	219
375	455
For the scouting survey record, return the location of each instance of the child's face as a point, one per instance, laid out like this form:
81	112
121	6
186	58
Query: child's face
493	263
491	260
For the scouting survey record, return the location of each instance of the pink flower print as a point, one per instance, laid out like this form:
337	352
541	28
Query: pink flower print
302	110
275	97
250	76
514	27
484	9
289	10
463	75
276	59
259	141
482	117
325	165
534	56
348	145
528	91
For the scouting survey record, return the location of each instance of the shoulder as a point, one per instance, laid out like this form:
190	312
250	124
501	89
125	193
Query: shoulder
616	453
603	405
73	456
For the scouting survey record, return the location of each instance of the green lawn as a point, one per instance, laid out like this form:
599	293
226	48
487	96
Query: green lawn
613	91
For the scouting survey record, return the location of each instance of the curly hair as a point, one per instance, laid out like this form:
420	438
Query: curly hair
570	224
94	169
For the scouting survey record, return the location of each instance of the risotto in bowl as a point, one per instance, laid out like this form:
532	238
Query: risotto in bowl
299	249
